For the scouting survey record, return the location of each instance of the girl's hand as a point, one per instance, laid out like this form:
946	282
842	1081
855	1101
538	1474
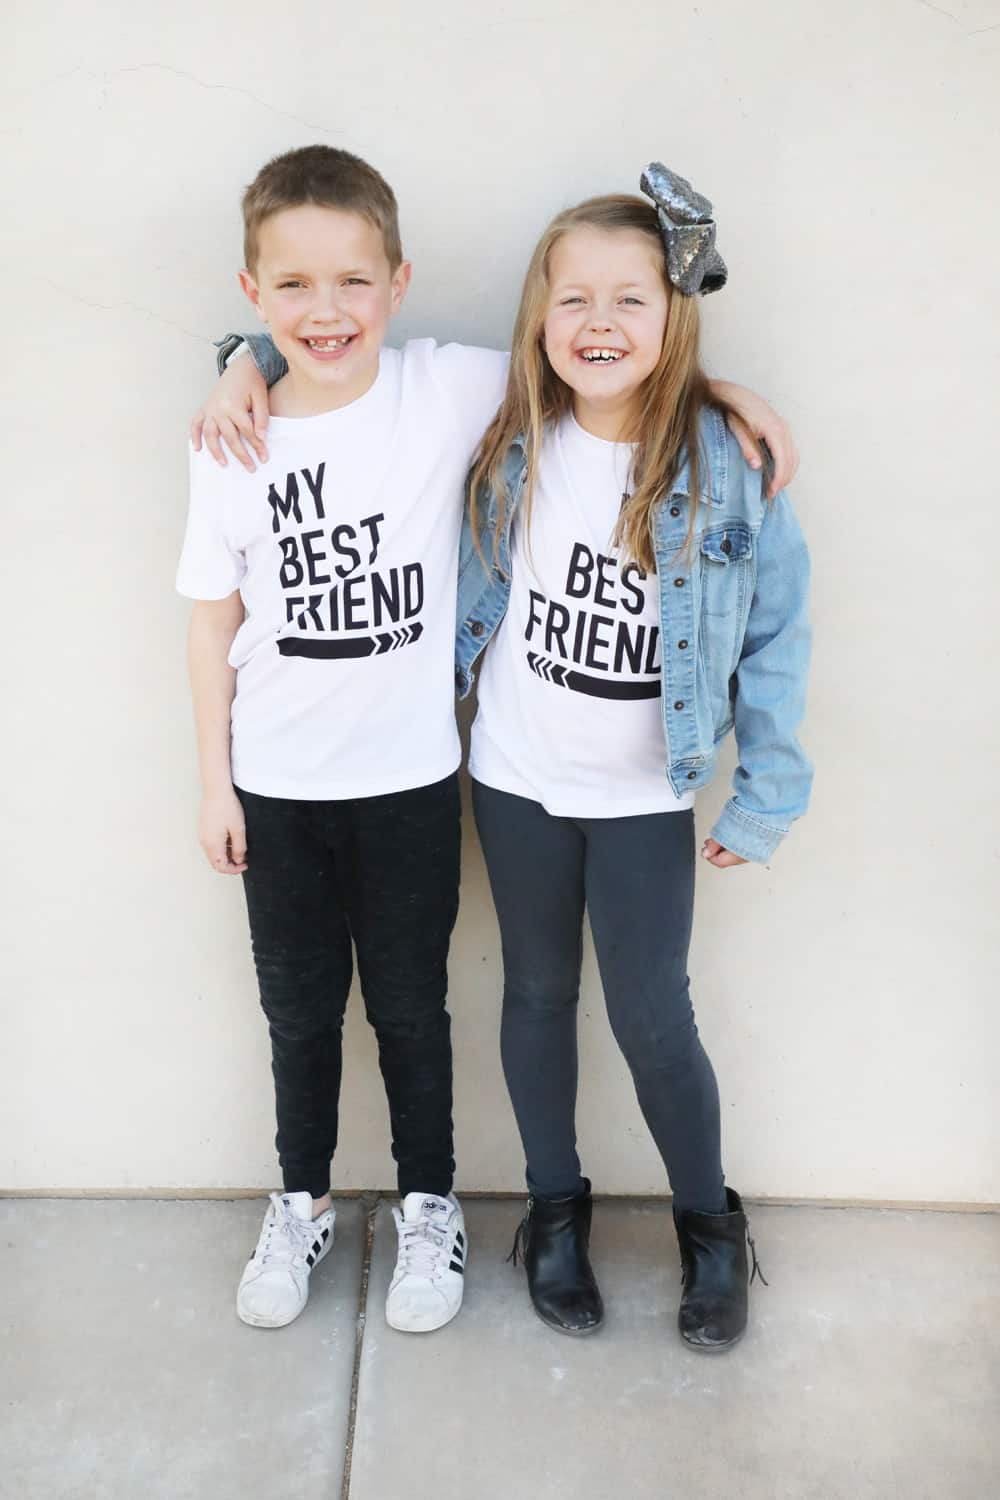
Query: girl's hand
222	832
236	412
756	419
721	858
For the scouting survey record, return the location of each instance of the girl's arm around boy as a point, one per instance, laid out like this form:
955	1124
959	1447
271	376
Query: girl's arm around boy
236	412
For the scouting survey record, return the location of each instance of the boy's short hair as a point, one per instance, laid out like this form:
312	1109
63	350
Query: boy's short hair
329	178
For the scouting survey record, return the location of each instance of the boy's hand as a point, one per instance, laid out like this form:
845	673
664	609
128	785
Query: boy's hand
236	412
756	419
721	858
222	833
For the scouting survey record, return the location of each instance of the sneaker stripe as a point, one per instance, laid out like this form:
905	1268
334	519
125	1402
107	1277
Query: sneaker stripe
456	1265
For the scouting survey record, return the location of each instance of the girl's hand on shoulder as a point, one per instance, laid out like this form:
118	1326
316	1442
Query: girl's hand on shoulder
721	858
222	832
756	419
235	413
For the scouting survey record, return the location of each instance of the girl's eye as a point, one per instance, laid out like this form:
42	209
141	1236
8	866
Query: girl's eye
568	301
636	300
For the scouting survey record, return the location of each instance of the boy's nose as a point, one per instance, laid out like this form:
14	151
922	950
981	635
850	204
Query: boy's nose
325	309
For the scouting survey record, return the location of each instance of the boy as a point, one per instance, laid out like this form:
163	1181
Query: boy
321	665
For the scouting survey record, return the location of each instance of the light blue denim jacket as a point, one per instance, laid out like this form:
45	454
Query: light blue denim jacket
735	637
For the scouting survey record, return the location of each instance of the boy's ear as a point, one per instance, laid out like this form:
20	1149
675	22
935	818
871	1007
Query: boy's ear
400	284
251	292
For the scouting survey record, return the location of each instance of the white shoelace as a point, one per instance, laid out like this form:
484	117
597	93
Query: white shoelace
421	1245
283	1237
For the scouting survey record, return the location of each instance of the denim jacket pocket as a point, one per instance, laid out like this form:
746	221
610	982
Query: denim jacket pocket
726	555
726	567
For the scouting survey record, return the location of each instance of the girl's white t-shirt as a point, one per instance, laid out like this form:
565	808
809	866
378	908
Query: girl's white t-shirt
570	689
344	546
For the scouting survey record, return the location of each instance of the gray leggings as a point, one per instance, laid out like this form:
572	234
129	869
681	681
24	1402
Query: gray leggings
636	877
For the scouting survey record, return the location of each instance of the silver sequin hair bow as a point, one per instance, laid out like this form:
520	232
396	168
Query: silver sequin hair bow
688	229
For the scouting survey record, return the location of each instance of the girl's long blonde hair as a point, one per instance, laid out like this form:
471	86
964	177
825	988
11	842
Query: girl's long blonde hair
670	401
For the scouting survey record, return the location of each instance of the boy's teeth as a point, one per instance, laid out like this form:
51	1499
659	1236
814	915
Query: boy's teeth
328	343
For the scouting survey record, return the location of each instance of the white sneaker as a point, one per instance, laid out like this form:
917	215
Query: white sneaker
426	1289
274	1288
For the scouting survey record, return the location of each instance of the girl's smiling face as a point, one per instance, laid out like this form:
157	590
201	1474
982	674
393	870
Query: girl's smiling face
605	321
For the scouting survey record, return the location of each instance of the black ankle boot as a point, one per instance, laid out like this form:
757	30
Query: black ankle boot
713	1310
553	1239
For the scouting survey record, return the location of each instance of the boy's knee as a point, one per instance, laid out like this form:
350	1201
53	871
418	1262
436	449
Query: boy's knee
408	1011
302	1001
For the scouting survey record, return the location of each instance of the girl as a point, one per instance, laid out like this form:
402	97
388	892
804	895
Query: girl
640	596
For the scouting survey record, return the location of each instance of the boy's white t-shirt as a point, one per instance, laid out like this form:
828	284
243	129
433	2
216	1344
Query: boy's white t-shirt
344	546
570	689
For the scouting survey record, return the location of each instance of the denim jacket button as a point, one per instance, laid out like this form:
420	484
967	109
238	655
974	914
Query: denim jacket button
477	627
682	645
678	583
679	704
726	546
675	510
692	776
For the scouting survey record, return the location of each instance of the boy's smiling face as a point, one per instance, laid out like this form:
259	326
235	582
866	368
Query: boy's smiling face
324	287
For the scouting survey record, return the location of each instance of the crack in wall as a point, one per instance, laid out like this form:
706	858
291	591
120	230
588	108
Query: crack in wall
137	307
939	11
106	79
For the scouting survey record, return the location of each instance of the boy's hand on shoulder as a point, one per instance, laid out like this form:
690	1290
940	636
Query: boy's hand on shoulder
222	832
236	414
754	419
722	859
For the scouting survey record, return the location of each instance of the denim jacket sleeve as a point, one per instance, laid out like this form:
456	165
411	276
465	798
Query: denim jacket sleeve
265	356
773	777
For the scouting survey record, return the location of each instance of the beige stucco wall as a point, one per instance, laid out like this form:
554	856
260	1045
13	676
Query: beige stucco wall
848	993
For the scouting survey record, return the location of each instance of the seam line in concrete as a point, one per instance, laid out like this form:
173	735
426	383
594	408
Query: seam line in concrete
231	1195
370	1205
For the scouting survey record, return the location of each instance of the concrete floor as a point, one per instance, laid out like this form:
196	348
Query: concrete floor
871	1369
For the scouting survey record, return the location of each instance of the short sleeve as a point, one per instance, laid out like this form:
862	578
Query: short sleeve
209	568
474	381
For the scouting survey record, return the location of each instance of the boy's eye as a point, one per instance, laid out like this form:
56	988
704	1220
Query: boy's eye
283	284
357	281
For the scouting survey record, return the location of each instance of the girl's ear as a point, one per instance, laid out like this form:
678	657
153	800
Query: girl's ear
251	292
